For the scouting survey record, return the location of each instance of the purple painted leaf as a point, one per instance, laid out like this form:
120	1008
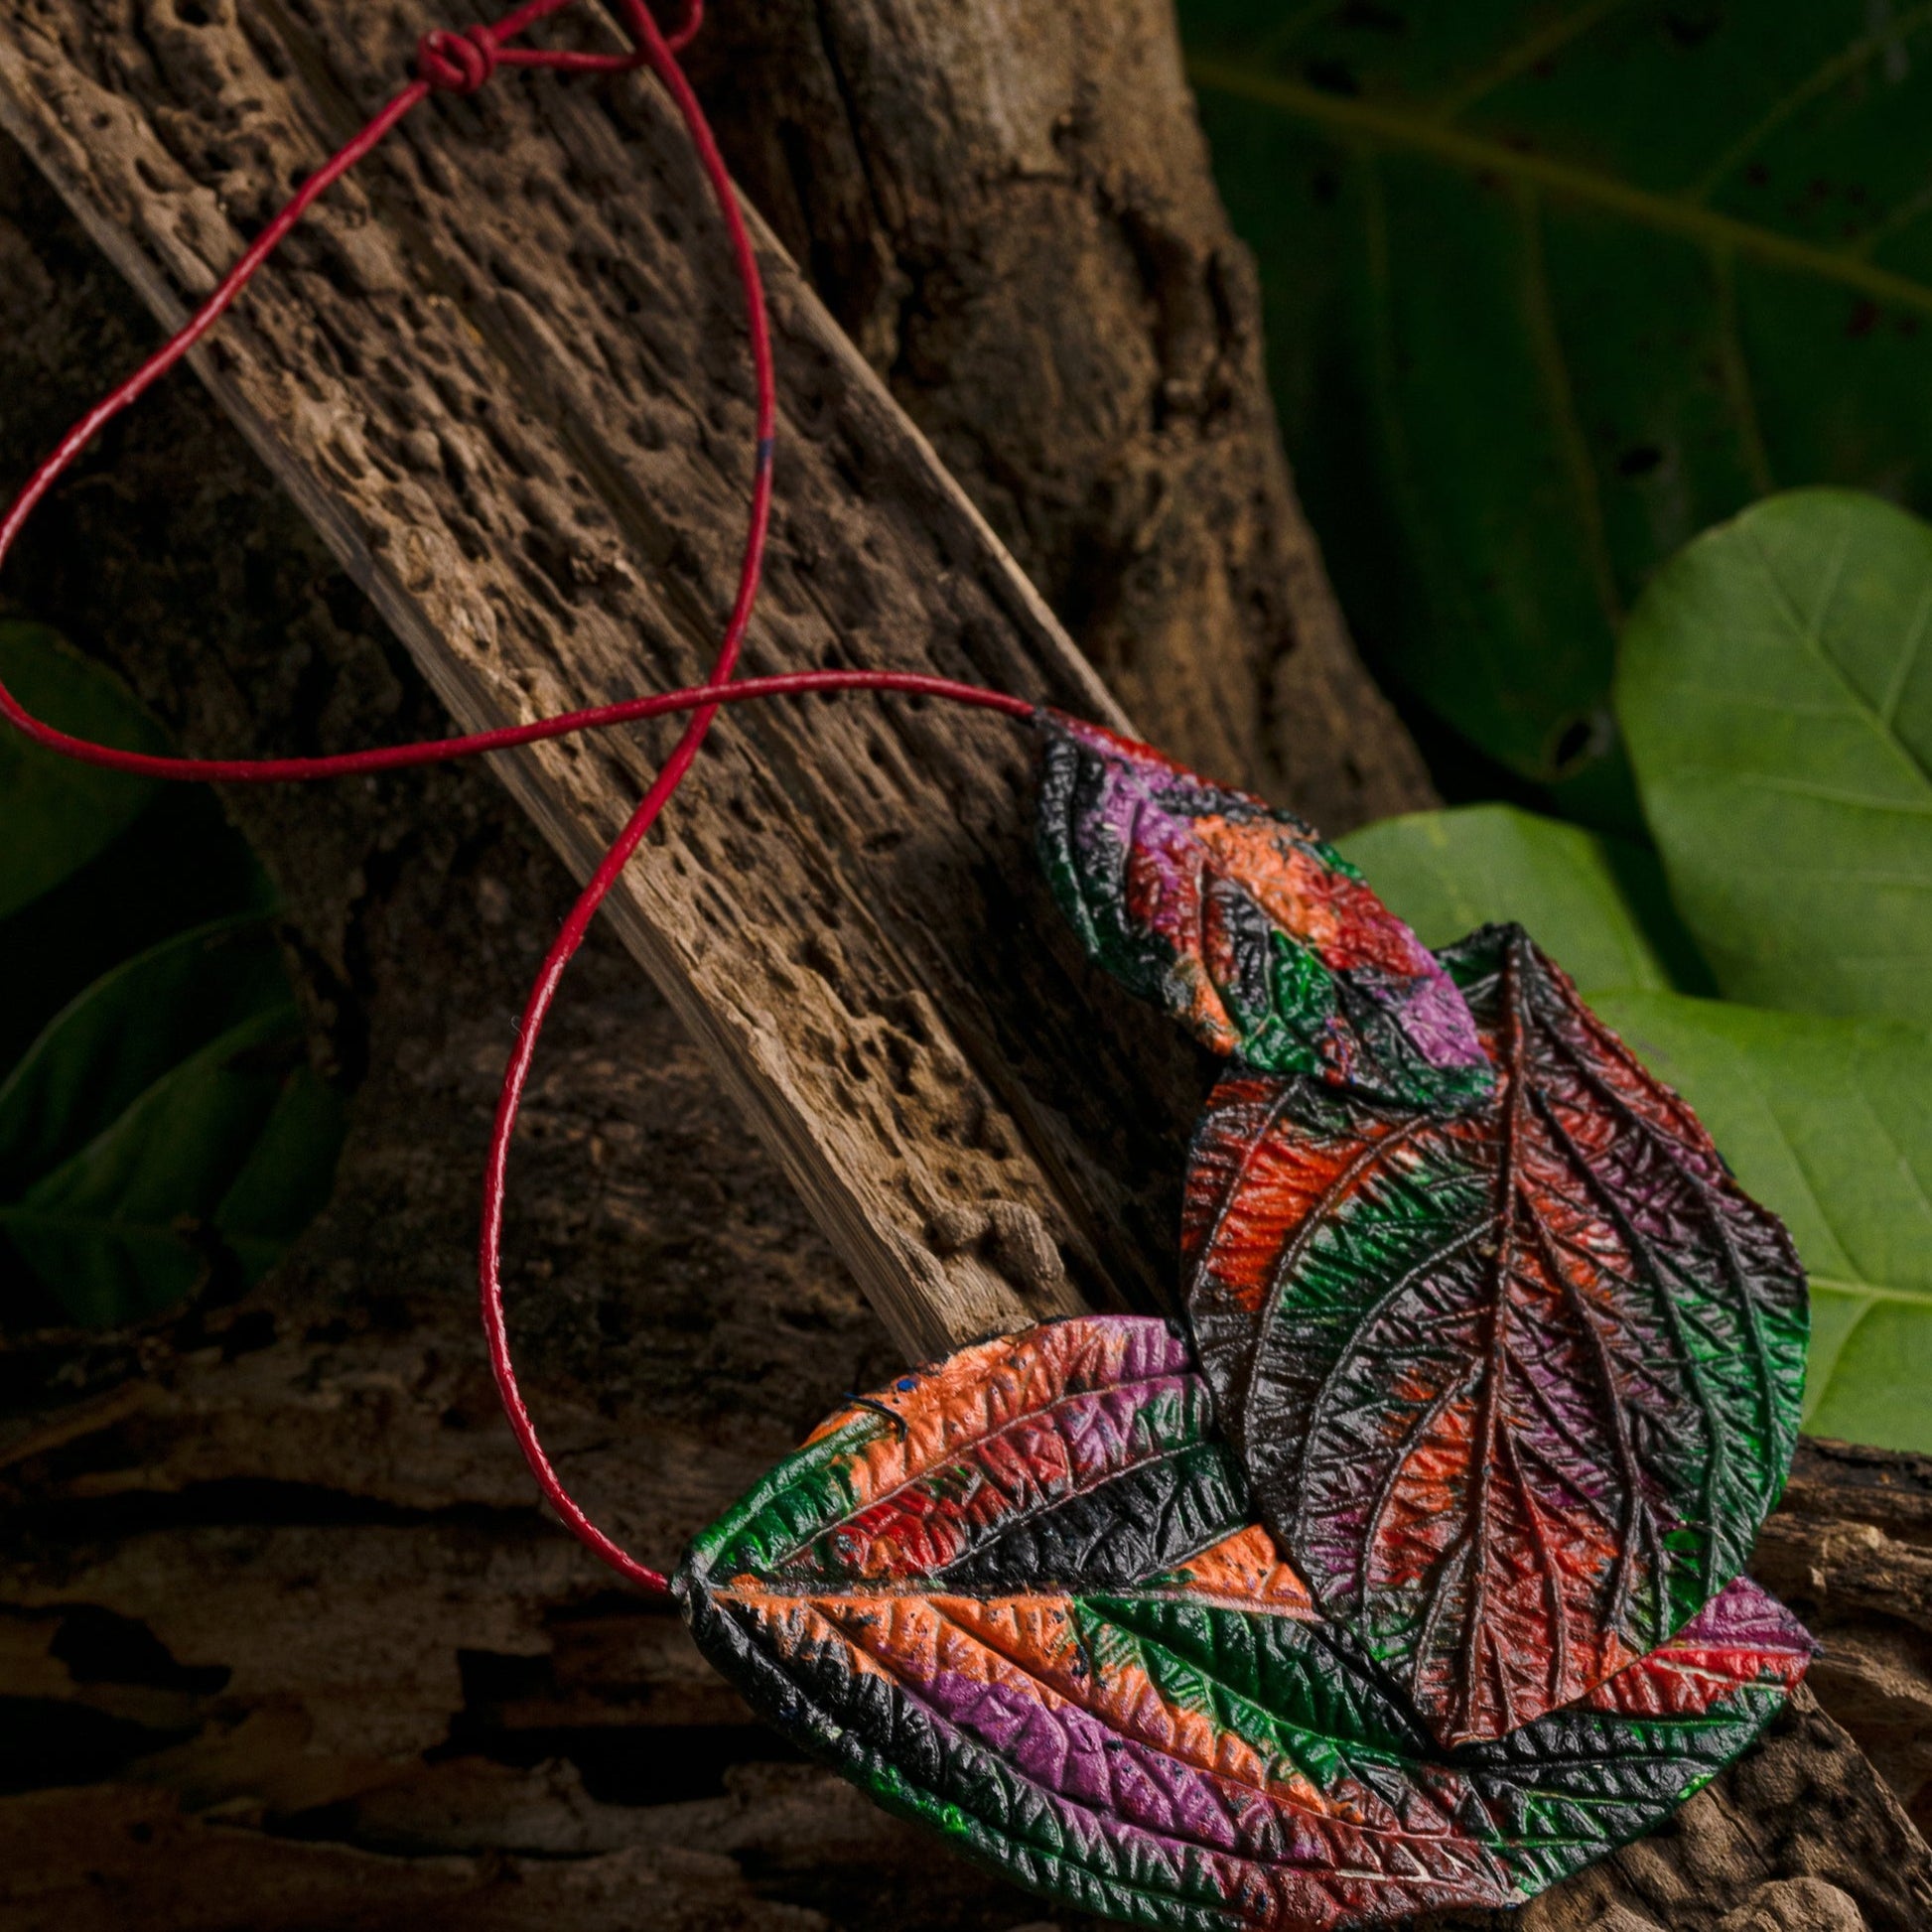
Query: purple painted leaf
1234	916
1016	1598
1513	1388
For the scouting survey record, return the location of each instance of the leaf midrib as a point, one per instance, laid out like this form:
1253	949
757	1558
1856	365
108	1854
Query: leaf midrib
1395	1832
1919	1298
1080	1857
1396	128
1810	633
974	1445
1814	791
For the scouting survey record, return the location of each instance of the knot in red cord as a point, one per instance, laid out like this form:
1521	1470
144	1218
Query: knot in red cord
456	63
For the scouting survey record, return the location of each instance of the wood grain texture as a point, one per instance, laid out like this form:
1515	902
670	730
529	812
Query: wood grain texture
502	372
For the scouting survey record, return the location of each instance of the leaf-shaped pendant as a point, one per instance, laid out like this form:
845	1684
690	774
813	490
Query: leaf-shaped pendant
1515	1388
1247	927
1016	1598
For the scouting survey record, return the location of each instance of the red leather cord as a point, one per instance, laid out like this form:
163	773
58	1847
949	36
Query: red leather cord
562	724
460	64
544	990
440	69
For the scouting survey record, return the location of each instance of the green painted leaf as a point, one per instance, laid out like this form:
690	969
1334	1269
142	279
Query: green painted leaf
1014	1597
1598	906
1550	290
1776	691
1830	1122
60	814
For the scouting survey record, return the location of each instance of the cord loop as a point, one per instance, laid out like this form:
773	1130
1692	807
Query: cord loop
686	31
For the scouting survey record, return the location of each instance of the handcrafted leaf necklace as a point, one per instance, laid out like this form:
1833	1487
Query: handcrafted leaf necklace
1407	1573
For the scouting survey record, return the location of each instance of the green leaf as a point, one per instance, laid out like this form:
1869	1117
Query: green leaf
157	1129
1596	905
126	1225
121	1035
60	814
165	1127
179	866
284	1182
1777	696
1830	1122
1547	291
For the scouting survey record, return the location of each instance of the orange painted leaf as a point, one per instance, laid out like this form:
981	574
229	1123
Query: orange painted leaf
1017	1598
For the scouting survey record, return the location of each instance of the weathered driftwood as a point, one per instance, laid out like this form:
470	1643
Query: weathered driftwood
362	1441
1851	1549
503	374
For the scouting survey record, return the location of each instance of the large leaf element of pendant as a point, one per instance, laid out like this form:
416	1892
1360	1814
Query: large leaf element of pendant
1514	1389
1016	1598
1234	916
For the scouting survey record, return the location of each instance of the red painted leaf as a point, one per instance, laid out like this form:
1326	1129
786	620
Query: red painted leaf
1514	1387
1244	924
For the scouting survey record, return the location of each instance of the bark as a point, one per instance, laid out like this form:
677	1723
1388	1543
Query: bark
1009	209
1851	1550
283	1639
